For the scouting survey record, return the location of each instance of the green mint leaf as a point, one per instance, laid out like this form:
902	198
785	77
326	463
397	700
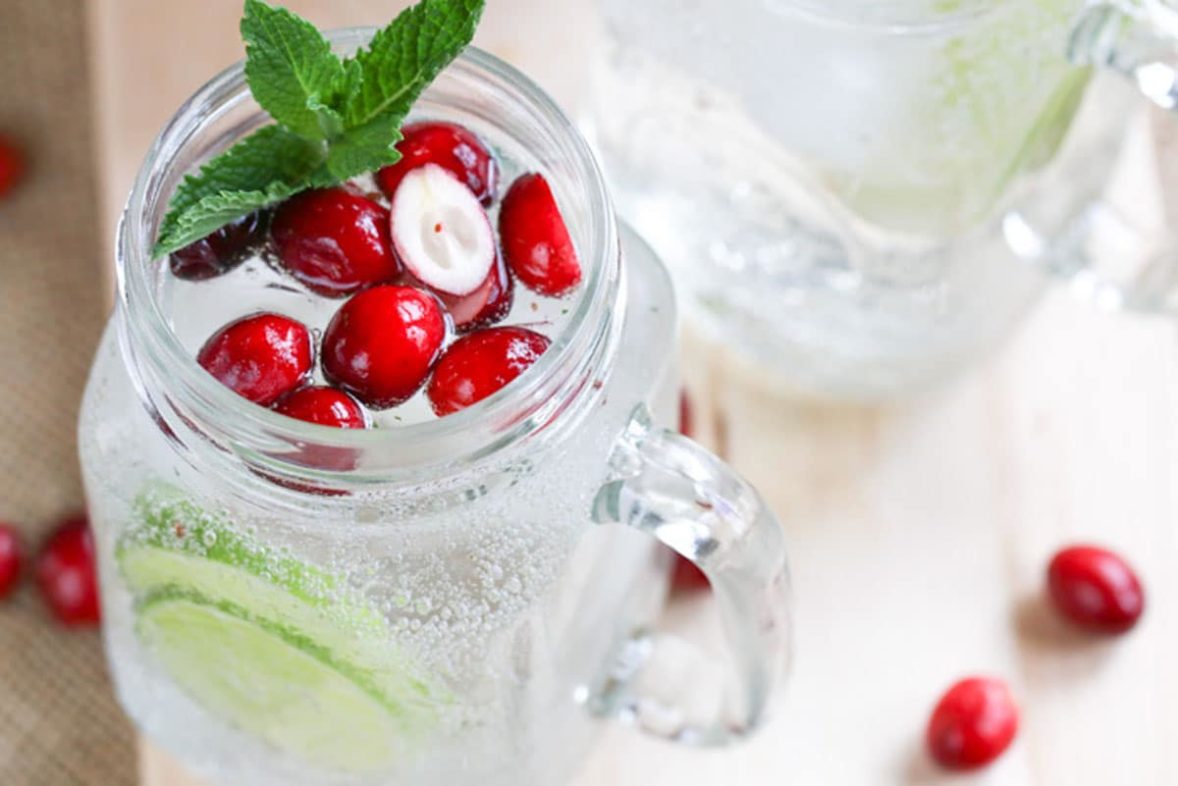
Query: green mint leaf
383	80
291	70
266	167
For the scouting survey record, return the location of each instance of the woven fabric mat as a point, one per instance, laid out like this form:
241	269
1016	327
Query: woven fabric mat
59	724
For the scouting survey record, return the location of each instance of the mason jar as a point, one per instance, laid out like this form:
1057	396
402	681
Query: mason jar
460	600
861	197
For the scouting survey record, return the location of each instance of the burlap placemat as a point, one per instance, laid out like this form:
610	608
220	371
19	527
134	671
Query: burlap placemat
59	725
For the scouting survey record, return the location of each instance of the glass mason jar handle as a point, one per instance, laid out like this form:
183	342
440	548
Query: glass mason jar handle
1110	249
1109	35
672	488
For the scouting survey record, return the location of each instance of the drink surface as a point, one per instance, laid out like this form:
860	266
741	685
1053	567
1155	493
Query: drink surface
197	309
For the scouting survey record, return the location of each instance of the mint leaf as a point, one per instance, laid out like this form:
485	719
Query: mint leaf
291	70
335	119
266	167
384	80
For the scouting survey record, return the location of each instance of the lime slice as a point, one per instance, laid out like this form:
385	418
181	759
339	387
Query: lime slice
271	681
265	624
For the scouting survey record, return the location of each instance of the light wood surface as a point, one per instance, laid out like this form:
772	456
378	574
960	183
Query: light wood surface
918	533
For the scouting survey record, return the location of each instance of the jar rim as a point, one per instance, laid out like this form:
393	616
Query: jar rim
531	402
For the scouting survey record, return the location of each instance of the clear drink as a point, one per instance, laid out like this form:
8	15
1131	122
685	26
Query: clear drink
825	179
449	605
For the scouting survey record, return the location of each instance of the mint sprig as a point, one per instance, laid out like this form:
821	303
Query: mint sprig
334	118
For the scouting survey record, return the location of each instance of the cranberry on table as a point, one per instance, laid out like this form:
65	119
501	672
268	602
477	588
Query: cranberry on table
449	146
221	251
334	240
973	724
381	344
11	559
479	364
686	422
67	576
261	357
323	405
1095	589
12	166
535	240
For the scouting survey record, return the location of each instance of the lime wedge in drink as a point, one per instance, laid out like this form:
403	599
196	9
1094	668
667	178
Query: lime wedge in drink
276	646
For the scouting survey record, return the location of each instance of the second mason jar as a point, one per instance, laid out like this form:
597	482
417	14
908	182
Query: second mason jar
859	197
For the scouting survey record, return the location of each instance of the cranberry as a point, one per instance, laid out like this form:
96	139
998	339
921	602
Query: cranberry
686	577
535	239
972	724
449	146
686	423
66	573
261	357
485	306
10	559
477	365
381	344
323	405
221	251
334	240
12	166
1096	589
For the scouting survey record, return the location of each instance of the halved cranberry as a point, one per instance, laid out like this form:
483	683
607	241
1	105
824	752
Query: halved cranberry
11	558
449	146
1096	589
261	357
485	306
66	573
535	240
334	240
973	724
477	365
381	344
221	251
323	405
12	166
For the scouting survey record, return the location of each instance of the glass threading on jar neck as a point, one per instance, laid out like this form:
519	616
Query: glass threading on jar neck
188	402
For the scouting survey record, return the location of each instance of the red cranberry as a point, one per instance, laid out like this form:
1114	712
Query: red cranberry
1096	589
221	251
10	559
477	365
381	344
535	240
261	357
12	166
686	423
972	724
323	405
449	146
686	577
67	576
334	240
487	305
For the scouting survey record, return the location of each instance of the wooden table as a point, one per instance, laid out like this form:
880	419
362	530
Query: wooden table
919	533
